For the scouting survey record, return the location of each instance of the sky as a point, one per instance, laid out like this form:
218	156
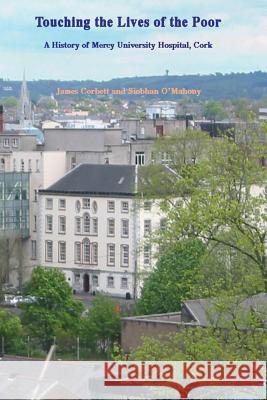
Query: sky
240	43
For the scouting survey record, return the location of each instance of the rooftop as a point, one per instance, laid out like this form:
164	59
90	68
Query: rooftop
106	179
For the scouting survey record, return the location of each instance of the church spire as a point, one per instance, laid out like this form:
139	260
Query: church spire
24	108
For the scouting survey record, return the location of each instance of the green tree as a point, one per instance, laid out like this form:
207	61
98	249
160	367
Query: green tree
101	327
55	310
11	331
173	278
213	110
222	193
10	102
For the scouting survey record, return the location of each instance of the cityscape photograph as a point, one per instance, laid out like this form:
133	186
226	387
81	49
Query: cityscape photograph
133	196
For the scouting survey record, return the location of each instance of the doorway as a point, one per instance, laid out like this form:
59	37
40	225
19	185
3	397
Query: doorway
86	285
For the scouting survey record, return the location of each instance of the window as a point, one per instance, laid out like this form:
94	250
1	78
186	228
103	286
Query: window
35	195
111	254
111	206
49	224
94	226
49	204
124	283
77	278
78	206
139	158
94	253
22	165
62	251
86	251
15	142
35	223
124	206
29	165
125	228
124	255
62	204
62	224
78	225
48	250
34	250
86	223
94	207
111	227
86	203
163	224
6	142
77	252
37	166
73	162
147	227
147	254
110	282
14	164
95	280
2	164
147	205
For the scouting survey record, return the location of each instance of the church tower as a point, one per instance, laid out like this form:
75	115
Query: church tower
25	114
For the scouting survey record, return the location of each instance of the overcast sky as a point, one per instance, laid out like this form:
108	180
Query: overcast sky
240	45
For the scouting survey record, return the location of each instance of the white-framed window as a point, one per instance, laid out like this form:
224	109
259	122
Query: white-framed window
86	223
73	162
22	165
61	251
61	224
94	253
2	164
147	227
78	225
147	205
77	278
124	255
163	224
37	169
49	223
147	254
6	142
2	219
110	282
62	204
86	203
124	283
35	223
139	158
124	228
49	204
49	250
35	195
34	250
111	206
95	280
15	142
94	226
111	227
124	206
77	252
78	206
86	251
94	206
111	254
29	165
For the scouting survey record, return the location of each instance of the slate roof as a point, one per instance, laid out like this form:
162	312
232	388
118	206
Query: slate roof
106	179
206	313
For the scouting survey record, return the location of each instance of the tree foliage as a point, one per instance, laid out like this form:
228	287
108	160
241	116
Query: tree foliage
101	327
11	331
173	279
55	310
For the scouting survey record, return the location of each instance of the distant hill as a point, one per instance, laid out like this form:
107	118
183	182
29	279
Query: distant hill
217	86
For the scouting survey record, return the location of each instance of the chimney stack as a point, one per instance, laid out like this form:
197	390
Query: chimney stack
1	118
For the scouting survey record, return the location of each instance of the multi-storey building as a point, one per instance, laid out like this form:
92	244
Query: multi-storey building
87	227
